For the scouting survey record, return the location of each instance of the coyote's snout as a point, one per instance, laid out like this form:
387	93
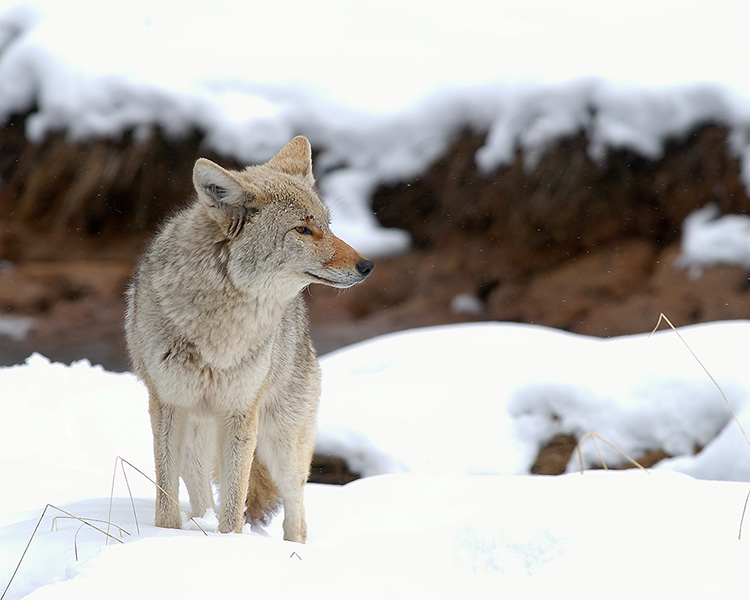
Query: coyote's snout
217	329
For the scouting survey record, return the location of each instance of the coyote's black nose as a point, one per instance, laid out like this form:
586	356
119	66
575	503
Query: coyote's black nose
365	267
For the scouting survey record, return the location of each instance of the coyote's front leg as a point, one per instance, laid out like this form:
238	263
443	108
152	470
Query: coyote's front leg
239	435
167	424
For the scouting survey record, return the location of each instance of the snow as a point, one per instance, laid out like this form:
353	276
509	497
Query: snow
499	391
382	89
445	423
406	539
15	327
709	239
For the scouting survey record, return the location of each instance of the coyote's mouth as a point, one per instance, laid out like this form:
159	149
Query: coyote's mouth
319	278
337	283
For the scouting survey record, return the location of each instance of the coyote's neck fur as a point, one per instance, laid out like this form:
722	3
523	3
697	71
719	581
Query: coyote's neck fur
232	323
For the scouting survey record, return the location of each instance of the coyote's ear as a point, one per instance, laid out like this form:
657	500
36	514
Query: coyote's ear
295	159
215	184
228	203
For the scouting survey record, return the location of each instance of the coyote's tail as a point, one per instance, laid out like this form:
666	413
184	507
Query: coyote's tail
263	498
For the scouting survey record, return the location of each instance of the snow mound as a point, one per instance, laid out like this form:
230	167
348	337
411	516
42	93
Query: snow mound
484	398
709	239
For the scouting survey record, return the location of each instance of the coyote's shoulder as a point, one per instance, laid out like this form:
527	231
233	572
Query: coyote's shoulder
217	329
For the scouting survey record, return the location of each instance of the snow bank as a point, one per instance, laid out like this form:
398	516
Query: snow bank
380	90
709	239
484	398
62	428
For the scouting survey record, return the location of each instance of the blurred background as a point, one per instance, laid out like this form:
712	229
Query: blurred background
530	161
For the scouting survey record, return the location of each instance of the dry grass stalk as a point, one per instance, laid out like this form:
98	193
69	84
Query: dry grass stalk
594	437
123	462
89	522
84	522
663	317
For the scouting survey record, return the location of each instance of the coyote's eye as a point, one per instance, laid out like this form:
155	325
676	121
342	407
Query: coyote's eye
303	230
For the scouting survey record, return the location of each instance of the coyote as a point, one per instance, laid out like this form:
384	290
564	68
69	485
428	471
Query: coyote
217	329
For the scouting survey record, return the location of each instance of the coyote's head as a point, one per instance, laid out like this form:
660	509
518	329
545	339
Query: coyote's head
271	227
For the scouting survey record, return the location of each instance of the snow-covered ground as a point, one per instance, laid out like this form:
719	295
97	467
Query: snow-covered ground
446	423
380	88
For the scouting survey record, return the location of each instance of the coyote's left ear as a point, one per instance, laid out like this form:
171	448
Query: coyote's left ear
295	159
227	202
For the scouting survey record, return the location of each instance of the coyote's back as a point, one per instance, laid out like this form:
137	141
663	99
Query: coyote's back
217	329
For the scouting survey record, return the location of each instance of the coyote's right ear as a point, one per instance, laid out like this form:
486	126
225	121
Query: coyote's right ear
228	203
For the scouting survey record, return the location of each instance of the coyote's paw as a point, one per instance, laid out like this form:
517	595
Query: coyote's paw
168	519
